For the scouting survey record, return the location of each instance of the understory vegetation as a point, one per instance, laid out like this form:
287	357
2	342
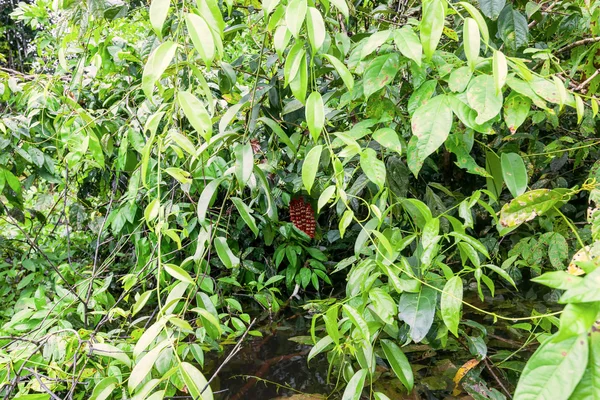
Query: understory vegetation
415	182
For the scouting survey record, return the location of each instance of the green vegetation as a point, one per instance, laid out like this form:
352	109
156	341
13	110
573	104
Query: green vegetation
417	179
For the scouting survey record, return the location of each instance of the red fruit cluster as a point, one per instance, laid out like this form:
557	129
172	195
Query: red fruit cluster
302	216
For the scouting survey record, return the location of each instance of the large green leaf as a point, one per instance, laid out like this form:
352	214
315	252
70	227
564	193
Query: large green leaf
195	382
380	72
432	26
584	292
158	14
157	63
431	124
516	110
483	98
407	41
554	369
354	388
418	310
388	137
246	214
451	303
202	37
295	14
528	206
104	388
144	366
315	115
589	385
316	28
513	28
196	113
244	161
399	363
491	8
341	70
311	166
514	173
373	167
225	254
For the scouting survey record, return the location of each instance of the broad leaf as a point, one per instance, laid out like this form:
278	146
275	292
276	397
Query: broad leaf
373	167
491	8
483	98
399	363
157	63
196	113
380	72
158	14
310	167
407	41
202	37
451	303
354	388
295	14
418	310
432	25
514	173
528	206
315	115
554	369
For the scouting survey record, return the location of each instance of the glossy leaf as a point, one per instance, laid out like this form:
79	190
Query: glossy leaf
195	382
246	214
225	254
554	369
315	115
341	70
295	14
471	41
483	98
514	173
158	14
354	388
157	63
310	167
432	25
388	138
316	28
500	70
196	113
373	167
202	37
451	303
418	310
399	363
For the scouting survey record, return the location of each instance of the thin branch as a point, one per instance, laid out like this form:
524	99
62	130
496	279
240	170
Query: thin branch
585	83
578	43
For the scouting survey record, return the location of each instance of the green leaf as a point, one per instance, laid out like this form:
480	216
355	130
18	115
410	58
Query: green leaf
388	138
178	273
341	70
269	5
482	97
399	362
580	108
528	206
141	302
318	348
325	197
107	350
589	385
459	79
157	63
225	254
431	124
516	111
195	382
315	115
202	37
554	369
558	280
195	113
584	292
283	137
345	222
244	163
295	13
451	303
471	41
514	173
358	321
491	8
407	42
299	84
512	28
206	198
432	26
380	72
180	175
144	366
342	7
104	388
310	167
158	14
331	324
500	70
384	305
476	15
151	211
354	388
373	167
316	28
373	42
418	310
577	319
245	213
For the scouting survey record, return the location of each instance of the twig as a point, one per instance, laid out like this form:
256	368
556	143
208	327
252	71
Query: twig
585	83
578	43
235	350
498	381
547	10
42	384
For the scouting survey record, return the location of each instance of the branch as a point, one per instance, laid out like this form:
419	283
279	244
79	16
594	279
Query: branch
578	43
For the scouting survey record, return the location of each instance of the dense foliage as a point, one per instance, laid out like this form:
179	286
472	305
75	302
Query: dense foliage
421	177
